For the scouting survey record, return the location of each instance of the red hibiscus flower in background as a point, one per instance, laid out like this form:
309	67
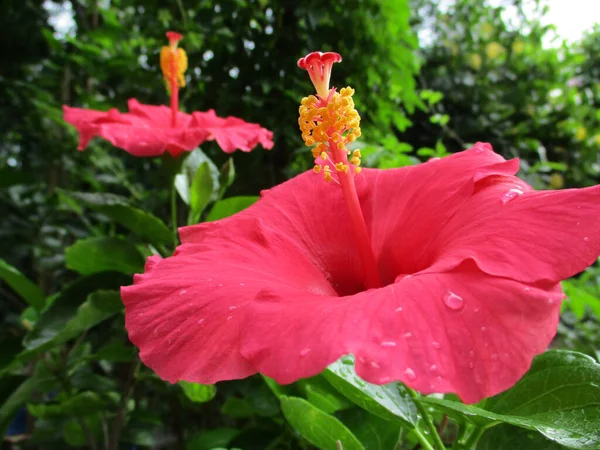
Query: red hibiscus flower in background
148	130
470	258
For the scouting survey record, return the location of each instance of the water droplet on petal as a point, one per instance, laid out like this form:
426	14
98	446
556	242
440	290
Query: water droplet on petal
586	239
410	374
169	341
511	194
433	368
200	321
305	351
471	365
550	301
388	343
183	291
471	354
527	289
374	365
232	308
385	380
220	285
483	329
399	309
229	317
494	356
408	335
241	284
436	344
453	301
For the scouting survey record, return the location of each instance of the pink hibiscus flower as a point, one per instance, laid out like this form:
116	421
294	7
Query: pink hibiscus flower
444	275
148	130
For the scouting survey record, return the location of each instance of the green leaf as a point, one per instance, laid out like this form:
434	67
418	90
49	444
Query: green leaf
60	323
508	437
321	394
389	402
143	224
115	351
209	439
75	436
201	192
15	391
100	254
316	426
559	397
81	404
372	431
238	408
19	283
189	170
198	393
230	206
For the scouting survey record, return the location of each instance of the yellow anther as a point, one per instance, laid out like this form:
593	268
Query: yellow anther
356	153
315	152
339	167
355	160
309	141
180	64
327	174
357	170
351	137
341	146
323	155
317	168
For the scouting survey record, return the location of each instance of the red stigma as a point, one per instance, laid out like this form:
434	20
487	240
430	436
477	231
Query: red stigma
174	36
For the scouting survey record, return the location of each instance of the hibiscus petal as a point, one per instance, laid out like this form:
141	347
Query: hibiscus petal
186	312
139	133
232	133
406	331
406	208
512	231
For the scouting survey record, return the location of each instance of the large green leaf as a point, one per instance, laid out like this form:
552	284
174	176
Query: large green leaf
316	426
324	396
100	254
198	393
559	397
230	206
389	402
201	192
189	169
509	437
116	208
372	431
19	283
64	320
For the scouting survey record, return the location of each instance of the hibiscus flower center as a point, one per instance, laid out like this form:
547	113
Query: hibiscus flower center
173	63
329	122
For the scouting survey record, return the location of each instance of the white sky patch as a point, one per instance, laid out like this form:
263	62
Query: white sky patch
571	18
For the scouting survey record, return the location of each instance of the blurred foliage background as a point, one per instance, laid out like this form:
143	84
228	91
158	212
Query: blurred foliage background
475	74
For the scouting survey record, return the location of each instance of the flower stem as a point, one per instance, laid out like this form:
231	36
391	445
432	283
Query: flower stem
437	440
361	234
174	91
174	214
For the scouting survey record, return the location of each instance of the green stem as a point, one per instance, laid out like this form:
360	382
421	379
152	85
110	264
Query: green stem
424	441
437	440
474	438
174	214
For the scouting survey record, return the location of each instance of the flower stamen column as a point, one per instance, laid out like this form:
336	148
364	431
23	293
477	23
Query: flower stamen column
173	62
328	122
